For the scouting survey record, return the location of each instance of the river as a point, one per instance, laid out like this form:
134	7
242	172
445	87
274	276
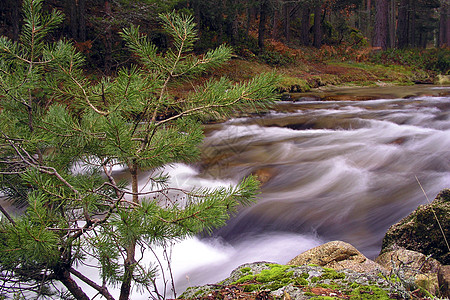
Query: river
331	170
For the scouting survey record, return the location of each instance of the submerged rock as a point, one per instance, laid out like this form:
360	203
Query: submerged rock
337	255
425	230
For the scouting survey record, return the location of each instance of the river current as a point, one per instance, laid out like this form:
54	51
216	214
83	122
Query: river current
331	170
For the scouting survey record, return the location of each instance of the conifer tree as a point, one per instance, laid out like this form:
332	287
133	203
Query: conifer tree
54	120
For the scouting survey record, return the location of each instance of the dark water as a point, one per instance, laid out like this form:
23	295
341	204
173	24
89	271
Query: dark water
331	170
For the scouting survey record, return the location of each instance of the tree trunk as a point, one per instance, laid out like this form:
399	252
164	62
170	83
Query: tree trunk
447	40
81	20
317	26
64	277
130	260
134	181
262	23
77	19
130	264
369	17
444	25
108	39
73	19
381	24
287	21
392	24
402	28
412	24
17	4
306	13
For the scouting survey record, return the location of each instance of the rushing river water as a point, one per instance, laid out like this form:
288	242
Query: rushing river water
331	170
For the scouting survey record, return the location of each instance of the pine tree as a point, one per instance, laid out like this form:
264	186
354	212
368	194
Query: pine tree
54	120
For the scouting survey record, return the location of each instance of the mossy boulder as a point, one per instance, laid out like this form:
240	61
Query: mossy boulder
264	280
424	230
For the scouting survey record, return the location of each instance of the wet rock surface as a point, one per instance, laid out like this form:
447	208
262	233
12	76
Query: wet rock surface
337	255
425	230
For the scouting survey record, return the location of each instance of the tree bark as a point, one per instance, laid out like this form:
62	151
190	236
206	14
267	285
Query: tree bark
77	19
317	26
73	19
130	264
448	26
369	17
64	277
392	23
16	18
234	23
82	20
444	25
108	39
402	28
262	23
130	260
287	21
412	25
381	24
306	13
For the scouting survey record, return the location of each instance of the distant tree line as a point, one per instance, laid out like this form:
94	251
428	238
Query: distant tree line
94	24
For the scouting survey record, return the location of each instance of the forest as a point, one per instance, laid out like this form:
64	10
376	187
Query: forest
252	27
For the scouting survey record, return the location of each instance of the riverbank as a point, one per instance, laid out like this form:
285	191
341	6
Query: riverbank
303	75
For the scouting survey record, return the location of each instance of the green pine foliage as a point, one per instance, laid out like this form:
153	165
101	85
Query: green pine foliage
54	121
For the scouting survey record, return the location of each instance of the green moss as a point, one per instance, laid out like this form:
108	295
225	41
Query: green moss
354	285
324	298
275	273
369	293
245	278
309	294
314	279
301	281
293	84
246	270
251	288
304	275
332	274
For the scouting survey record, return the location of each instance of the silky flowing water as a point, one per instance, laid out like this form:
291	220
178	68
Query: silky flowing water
331	170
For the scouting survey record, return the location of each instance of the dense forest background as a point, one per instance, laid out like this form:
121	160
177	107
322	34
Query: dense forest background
250	26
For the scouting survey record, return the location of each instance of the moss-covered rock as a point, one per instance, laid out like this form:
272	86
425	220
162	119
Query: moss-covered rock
421	230
296	282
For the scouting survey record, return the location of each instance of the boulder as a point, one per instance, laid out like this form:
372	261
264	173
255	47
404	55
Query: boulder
421	231
408	262
444	281
412	267
337	255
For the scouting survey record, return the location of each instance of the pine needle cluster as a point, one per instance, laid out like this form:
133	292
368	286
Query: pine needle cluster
55	121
